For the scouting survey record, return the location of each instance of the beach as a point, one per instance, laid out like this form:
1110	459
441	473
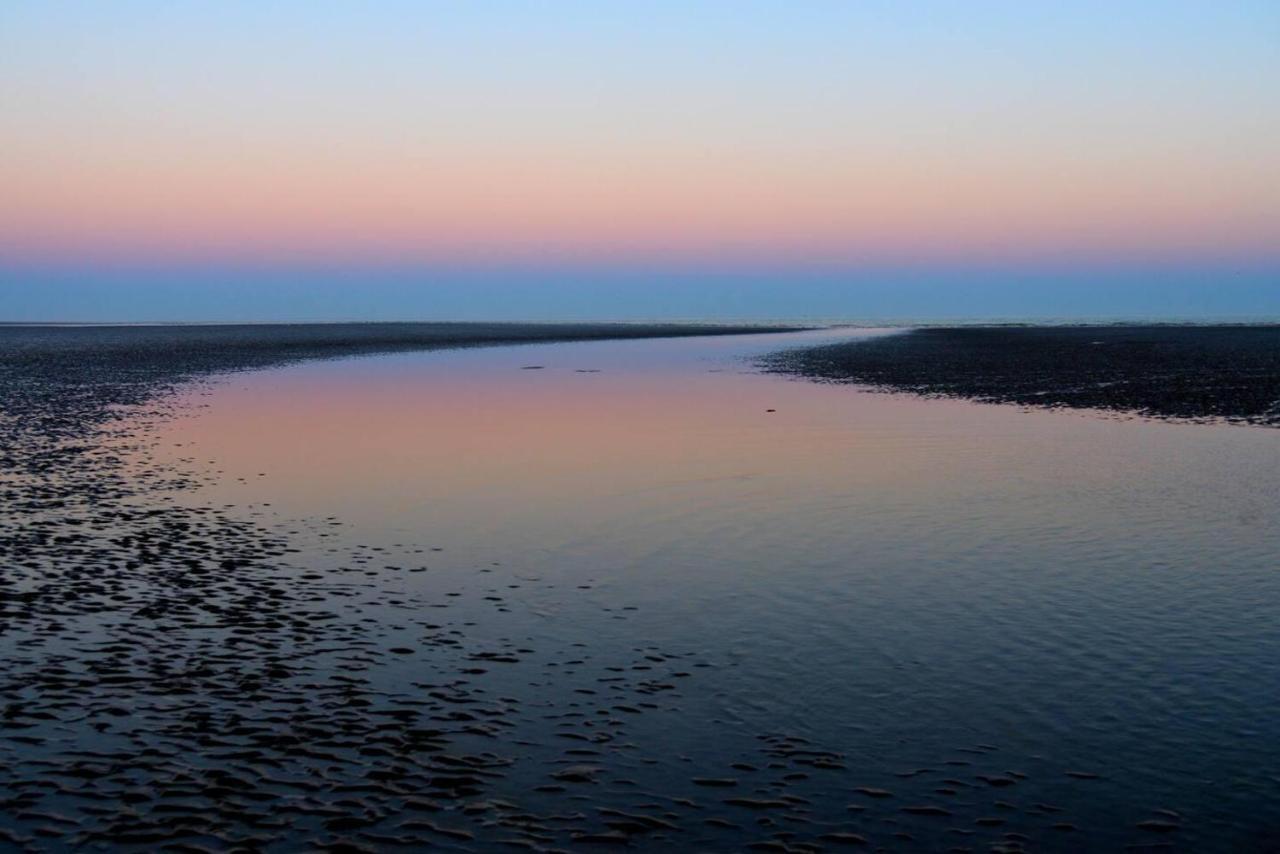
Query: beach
270	590
716	427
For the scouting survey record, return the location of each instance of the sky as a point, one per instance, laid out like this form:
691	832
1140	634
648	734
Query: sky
557	159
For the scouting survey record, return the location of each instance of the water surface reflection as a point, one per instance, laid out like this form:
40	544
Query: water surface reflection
1047	611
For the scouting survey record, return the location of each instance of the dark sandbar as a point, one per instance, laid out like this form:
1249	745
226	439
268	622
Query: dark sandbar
1227	373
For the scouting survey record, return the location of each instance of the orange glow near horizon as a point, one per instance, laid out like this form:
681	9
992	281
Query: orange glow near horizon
848	206
833	134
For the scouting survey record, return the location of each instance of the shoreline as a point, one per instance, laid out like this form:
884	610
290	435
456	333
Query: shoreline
1224	373
66	379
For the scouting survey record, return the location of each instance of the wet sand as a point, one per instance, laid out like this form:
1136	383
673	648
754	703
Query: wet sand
170	681
183	673
1199	373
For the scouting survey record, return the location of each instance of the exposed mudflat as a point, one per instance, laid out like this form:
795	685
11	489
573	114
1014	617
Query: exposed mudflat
1227	373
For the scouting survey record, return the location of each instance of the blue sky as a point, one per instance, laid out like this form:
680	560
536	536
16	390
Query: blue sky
237	160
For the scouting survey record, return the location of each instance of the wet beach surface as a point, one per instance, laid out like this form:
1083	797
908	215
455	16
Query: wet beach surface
631	594
1184	372
163	682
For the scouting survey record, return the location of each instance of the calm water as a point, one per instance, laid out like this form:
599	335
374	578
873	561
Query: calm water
1026	619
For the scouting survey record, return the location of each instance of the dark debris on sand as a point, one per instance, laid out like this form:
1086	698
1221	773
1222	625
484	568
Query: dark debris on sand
1229	373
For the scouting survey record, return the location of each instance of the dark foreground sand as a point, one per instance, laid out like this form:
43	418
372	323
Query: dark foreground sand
1227	373
168	680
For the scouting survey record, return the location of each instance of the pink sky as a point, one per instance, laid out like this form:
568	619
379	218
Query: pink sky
832	134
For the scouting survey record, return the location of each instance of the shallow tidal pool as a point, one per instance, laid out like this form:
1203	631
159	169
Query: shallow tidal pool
764	610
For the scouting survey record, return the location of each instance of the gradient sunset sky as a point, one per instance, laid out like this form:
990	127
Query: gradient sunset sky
297	160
